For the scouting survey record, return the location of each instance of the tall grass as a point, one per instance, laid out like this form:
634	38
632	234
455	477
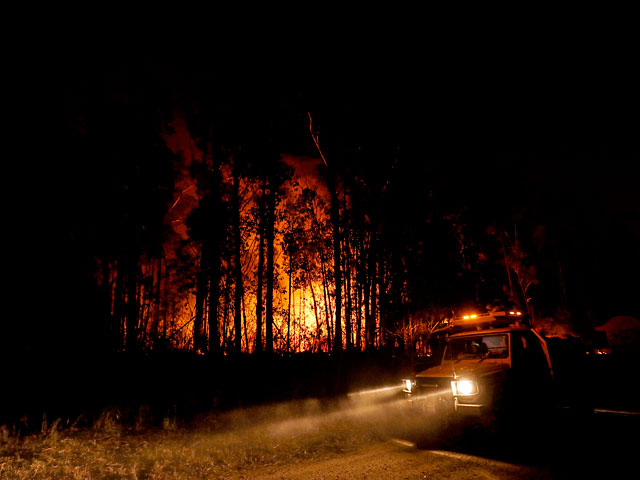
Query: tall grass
216	445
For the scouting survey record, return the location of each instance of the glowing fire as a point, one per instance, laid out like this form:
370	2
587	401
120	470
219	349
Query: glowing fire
303	305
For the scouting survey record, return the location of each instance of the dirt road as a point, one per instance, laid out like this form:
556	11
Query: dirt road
601	447
391	460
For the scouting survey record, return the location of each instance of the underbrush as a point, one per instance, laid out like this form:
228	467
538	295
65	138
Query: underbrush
214	445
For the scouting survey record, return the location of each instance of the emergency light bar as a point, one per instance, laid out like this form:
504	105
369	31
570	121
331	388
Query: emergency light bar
485	319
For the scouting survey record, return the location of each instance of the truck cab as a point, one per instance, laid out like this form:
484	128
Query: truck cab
491	364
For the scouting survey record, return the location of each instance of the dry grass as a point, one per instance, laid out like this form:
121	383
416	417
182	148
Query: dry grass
228	445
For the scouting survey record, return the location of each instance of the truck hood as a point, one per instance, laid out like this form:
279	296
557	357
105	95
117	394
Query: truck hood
476	368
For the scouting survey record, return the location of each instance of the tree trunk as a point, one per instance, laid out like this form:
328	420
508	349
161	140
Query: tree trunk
153	334
239	288
315	309
374	294
270	237
244	326
214	269
370	295
146	296
360	278
112	321
214	302
165	302
261	232
289	309
327	306
198	321
132	303
347	294
388	293
225	318
337	271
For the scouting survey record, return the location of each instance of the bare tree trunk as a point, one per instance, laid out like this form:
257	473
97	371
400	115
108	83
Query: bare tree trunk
225	320
387	295
167	279
153	331
507	266
244	326
261	233
289	309
271	207
367	308
360	277
337	271
146	300
239	288
315	308
370	292
348	303
301	316
132	302
114	308
375	282
214	302
214	273
198	321
327	306
335	223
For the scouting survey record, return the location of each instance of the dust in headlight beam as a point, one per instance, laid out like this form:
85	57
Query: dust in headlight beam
376	391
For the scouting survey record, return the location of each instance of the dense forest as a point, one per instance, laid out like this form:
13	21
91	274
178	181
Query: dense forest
185	209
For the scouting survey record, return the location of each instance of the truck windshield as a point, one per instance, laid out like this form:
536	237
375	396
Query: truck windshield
477	347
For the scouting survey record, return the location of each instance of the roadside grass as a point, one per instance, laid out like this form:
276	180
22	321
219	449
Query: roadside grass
216	445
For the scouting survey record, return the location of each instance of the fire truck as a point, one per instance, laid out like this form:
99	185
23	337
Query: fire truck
492	364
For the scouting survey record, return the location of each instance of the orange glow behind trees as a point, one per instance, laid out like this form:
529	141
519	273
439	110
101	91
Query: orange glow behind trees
172	316
221	219
182	205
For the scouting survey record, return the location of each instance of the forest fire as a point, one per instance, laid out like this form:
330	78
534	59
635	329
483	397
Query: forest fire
173	310
196	240
218	219
240	235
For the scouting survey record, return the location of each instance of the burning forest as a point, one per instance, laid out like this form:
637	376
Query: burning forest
189	211
245	257
228	260
177	209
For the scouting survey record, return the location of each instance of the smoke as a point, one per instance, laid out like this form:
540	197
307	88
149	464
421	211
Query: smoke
336	424
307	173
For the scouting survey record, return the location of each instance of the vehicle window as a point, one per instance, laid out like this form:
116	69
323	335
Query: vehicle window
477	347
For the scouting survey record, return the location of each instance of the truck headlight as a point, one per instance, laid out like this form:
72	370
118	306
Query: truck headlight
408	385
464	387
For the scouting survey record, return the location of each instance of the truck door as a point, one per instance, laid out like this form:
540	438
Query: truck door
532	374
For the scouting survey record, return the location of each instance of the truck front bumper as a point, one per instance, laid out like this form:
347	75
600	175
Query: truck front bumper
469	409
445	404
